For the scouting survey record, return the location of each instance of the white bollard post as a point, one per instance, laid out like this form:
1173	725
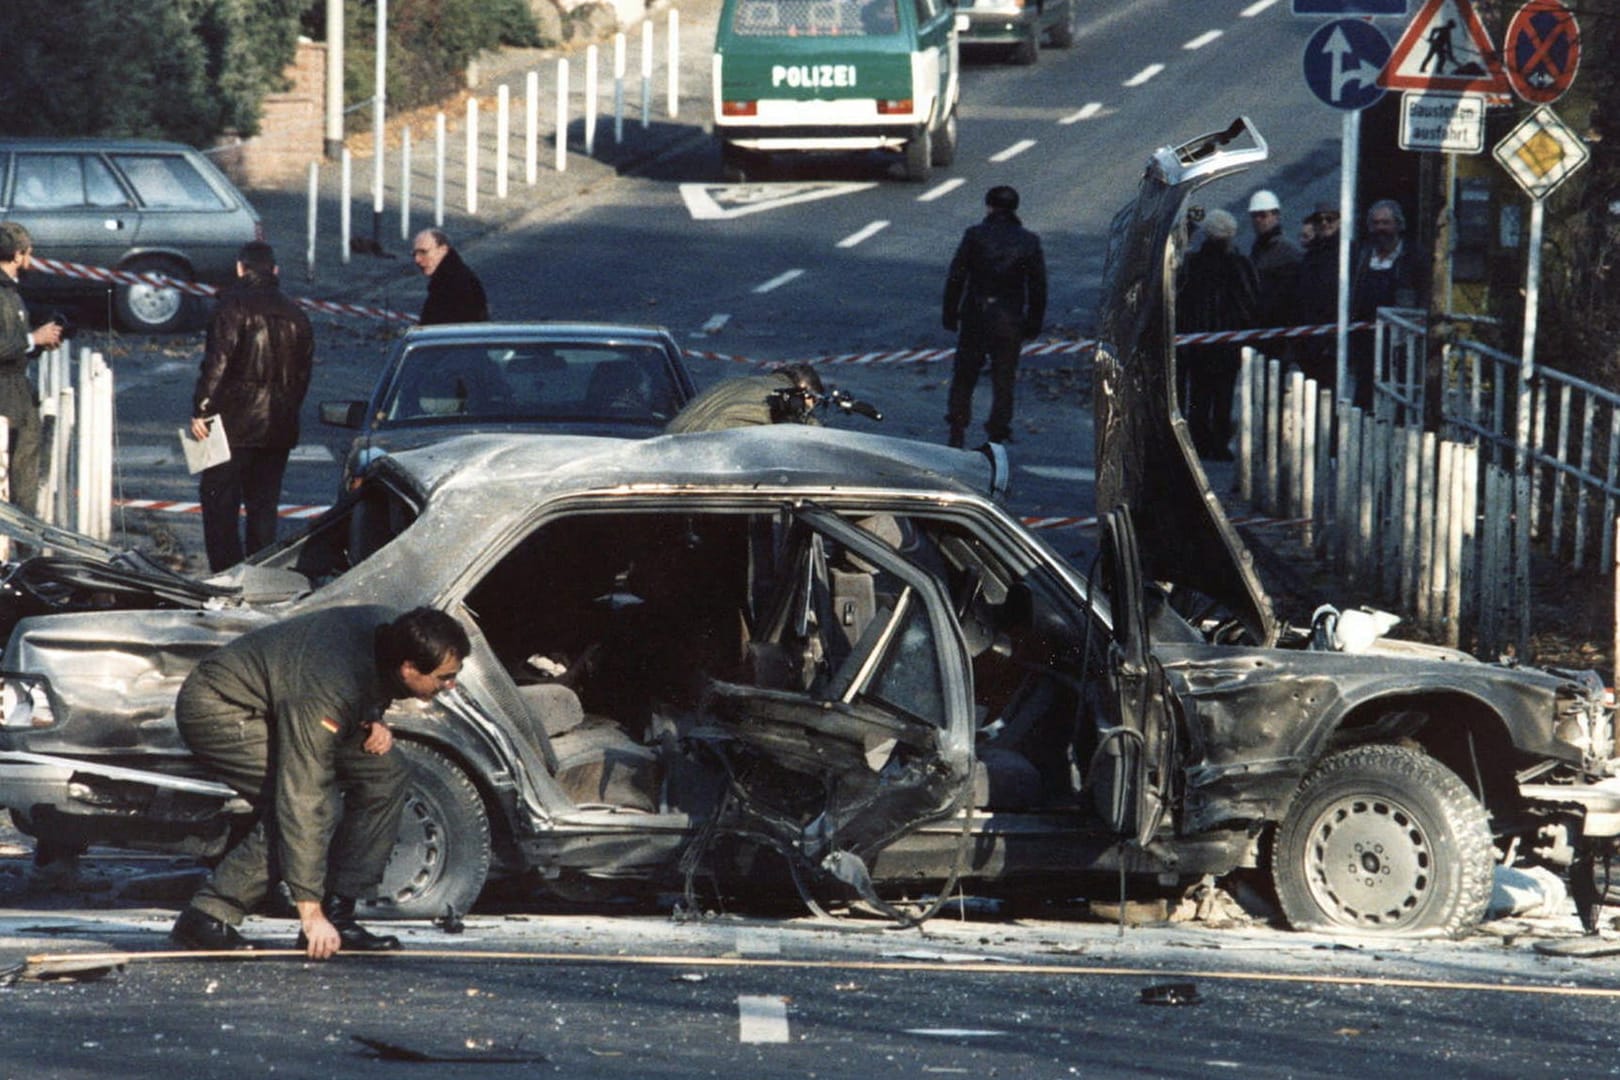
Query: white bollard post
590	100
405	185
646	73
472	155
531	130
672	64
81	441
346	168
310	222
438	170
562	115
503	120
618	89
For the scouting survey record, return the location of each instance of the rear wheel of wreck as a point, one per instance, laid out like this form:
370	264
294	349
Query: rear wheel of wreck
1384	839
442	856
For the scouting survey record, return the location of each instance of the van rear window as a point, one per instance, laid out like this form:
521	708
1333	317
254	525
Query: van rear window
815	18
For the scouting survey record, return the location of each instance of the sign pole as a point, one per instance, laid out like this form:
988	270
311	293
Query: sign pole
1527	371
1349	162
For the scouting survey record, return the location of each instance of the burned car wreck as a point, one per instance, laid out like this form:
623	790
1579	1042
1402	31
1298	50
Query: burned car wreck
716	657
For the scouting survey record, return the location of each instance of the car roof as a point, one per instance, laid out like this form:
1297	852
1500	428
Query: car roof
524	469
473	333
87	144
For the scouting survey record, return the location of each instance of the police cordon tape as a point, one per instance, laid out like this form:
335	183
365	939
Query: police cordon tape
301	512
893	356
197	288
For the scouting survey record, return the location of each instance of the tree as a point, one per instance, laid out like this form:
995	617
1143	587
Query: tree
188	70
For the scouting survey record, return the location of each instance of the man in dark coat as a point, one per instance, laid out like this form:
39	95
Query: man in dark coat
1276	260
255	373
1218	291
1381	275
290	715
996	293
1317	296
787	395
455	294
17	343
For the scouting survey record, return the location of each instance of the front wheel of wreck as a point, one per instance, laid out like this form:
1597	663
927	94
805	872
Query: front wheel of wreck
442	856
1384	839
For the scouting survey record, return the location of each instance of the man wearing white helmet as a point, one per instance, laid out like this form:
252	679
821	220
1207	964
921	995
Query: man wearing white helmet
1276	261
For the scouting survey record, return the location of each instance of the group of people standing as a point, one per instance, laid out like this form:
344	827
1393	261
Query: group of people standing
1281	283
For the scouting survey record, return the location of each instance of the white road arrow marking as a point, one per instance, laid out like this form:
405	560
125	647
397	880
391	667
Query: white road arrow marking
713	202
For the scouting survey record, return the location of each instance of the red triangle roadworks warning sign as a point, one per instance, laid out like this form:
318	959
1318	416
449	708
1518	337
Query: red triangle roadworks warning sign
1445	49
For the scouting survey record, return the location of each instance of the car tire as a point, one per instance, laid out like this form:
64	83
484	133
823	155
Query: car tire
1062	35
1028	51
737	165
944	151
920	157
1384	839
149	309
441	859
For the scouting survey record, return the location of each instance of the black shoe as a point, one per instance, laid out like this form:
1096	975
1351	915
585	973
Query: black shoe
356	938
201	932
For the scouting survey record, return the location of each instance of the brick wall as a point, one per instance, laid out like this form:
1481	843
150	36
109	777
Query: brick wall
290	128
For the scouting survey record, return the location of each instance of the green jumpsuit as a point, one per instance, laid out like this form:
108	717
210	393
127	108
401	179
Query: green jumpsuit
281	714
17	402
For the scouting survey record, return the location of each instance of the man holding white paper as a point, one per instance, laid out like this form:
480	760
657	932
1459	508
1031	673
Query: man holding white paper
255	373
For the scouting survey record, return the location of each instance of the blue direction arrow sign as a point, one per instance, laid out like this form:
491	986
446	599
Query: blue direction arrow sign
1342	62
1350	7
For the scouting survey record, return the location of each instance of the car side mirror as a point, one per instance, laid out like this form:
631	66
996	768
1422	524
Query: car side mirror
346	414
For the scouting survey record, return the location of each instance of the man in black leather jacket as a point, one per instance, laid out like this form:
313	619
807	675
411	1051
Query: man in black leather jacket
255	373
996	293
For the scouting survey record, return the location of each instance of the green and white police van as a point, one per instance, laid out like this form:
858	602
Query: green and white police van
836	75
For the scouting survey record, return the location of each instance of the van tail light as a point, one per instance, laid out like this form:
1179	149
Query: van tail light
890	108
739	108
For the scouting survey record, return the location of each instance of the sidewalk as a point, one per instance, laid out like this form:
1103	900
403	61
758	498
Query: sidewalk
383	275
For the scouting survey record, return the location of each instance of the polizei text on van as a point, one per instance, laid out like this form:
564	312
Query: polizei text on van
801	76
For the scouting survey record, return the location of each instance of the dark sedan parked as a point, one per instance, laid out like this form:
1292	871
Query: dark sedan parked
548	378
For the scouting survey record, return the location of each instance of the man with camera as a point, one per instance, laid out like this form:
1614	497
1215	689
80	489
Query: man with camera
17	342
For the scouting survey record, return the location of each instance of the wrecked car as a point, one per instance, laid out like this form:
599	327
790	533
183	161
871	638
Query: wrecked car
837	661
543	377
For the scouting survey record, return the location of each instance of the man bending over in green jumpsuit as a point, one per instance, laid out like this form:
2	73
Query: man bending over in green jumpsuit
290	715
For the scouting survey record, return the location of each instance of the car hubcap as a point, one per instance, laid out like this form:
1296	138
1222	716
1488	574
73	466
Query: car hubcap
1370	863
154	305
418	858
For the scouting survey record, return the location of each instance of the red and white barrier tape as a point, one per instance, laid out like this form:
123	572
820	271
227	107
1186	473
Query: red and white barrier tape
197	288
1045	348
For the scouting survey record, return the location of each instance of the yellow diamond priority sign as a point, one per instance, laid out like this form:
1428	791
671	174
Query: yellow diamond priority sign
1541	153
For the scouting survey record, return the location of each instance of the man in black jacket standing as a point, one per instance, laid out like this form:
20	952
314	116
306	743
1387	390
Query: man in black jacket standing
17	343
255	373
996	293
455	294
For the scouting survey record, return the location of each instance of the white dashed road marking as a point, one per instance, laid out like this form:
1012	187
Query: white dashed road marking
1202	39
1014	150
1256	8
1144	75
778	281
1086	112
714	324
761	1019
152	455
865	234
943	189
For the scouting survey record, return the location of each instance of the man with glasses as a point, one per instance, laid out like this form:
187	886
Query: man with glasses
17	343
455	295
290	715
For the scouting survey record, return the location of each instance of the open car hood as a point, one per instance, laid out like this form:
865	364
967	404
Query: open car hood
1145	454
